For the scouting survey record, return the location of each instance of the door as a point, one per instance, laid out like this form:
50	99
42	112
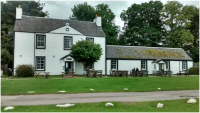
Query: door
161	66
68	67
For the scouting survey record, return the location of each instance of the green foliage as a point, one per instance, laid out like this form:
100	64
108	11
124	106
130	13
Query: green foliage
86	52
143	24
6	57
85	12
194	71
8	12
183	22
25	70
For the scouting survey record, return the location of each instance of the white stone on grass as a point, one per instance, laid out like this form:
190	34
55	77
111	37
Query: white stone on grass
191	101
91	89
109	104
8	108
159	105
65	105
125	88
159	88
62	91
31	92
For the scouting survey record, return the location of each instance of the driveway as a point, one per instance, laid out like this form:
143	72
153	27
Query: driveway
48	99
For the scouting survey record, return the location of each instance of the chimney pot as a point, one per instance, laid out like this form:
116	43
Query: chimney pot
19	6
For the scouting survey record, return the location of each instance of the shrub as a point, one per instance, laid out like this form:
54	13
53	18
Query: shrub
193	71
25	70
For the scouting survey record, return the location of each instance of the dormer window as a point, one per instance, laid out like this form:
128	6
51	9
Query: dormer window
67	42
40	41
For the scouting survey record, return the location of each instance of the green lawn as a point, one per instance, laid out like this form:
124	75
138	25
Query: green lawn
106	84
151	106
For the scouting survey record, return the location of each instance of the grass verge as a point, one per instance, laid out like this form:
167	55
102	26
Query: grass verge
107	84
150	106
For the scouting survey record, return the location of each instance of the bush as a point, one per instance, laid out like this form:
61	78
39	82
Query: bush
25	70
193	71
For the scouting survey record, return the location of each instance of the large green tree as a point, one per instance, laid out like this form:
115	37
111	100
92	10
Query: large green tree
183	25
86	52
85	12
143	25
8	12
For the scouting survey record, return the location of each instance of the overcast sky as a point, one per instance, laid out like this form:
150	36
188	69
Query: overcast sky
62	9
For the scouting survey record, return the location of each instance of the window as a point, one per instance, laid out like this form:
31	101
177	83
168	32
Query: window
67	42
143	65
167	65
40	63
90	66
40	41
184	65
154	66
113	64
90	39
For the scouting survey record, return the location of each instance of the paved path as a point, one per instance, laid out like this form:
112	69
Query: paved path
47	99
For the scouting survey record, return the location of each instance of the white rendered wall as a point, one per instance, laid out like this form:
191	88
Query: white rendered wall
55	47
174	66
150	66
190	64
23	49
129	65
108	66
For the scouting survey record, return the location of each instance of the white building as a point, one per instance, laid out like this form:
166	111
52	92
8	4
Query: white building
45	43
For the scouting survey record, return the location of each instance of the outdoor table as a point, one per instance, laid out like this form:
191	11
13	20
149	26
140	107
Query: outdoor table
119	73
46	74
36	74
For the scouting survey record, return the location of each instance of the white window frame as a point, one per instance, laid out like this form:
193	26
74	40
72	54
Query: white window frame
67	44
40	40
155	66
113	64
39	63
143	65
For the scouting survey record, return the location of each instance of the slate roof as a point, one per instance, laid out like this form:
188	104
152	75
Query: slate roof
44	25
141	52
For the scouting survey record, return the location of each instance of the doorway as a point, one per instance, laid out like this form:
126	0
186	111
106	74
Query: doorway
161	66
68	67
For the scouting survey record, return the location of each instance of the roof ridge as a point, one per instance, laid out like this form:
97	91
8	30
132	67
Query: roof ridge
144	46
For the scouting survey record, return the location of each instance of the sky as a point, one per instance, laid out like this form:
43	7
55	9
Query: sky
62	9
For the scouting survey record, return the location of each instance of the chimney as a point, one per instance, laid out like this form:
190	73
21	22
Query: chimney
97	20
19	12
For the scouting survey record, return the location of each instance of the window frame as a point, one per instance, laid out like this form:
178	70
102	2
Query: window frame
91	66
167	63
115	65
68	37
37	47
184	66
37	63
144	64
90	38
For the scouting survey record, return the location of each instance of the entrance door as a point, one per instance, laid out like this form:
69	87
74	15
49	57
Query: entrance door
161	66
68	67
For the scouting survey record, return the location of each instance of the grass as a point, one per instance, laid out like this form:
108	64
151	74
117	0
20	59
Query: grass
106	84
150	106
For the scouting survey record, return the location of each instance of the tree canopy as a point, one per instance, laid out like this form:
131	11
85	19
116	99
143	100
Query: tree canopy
143	25
85	12
8	12
86	52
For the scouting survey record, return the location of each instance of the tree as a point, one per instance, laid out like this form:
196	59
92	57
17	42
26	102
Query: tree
143	25
108	25
85	12
8	12
183	25
6	57
86	52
